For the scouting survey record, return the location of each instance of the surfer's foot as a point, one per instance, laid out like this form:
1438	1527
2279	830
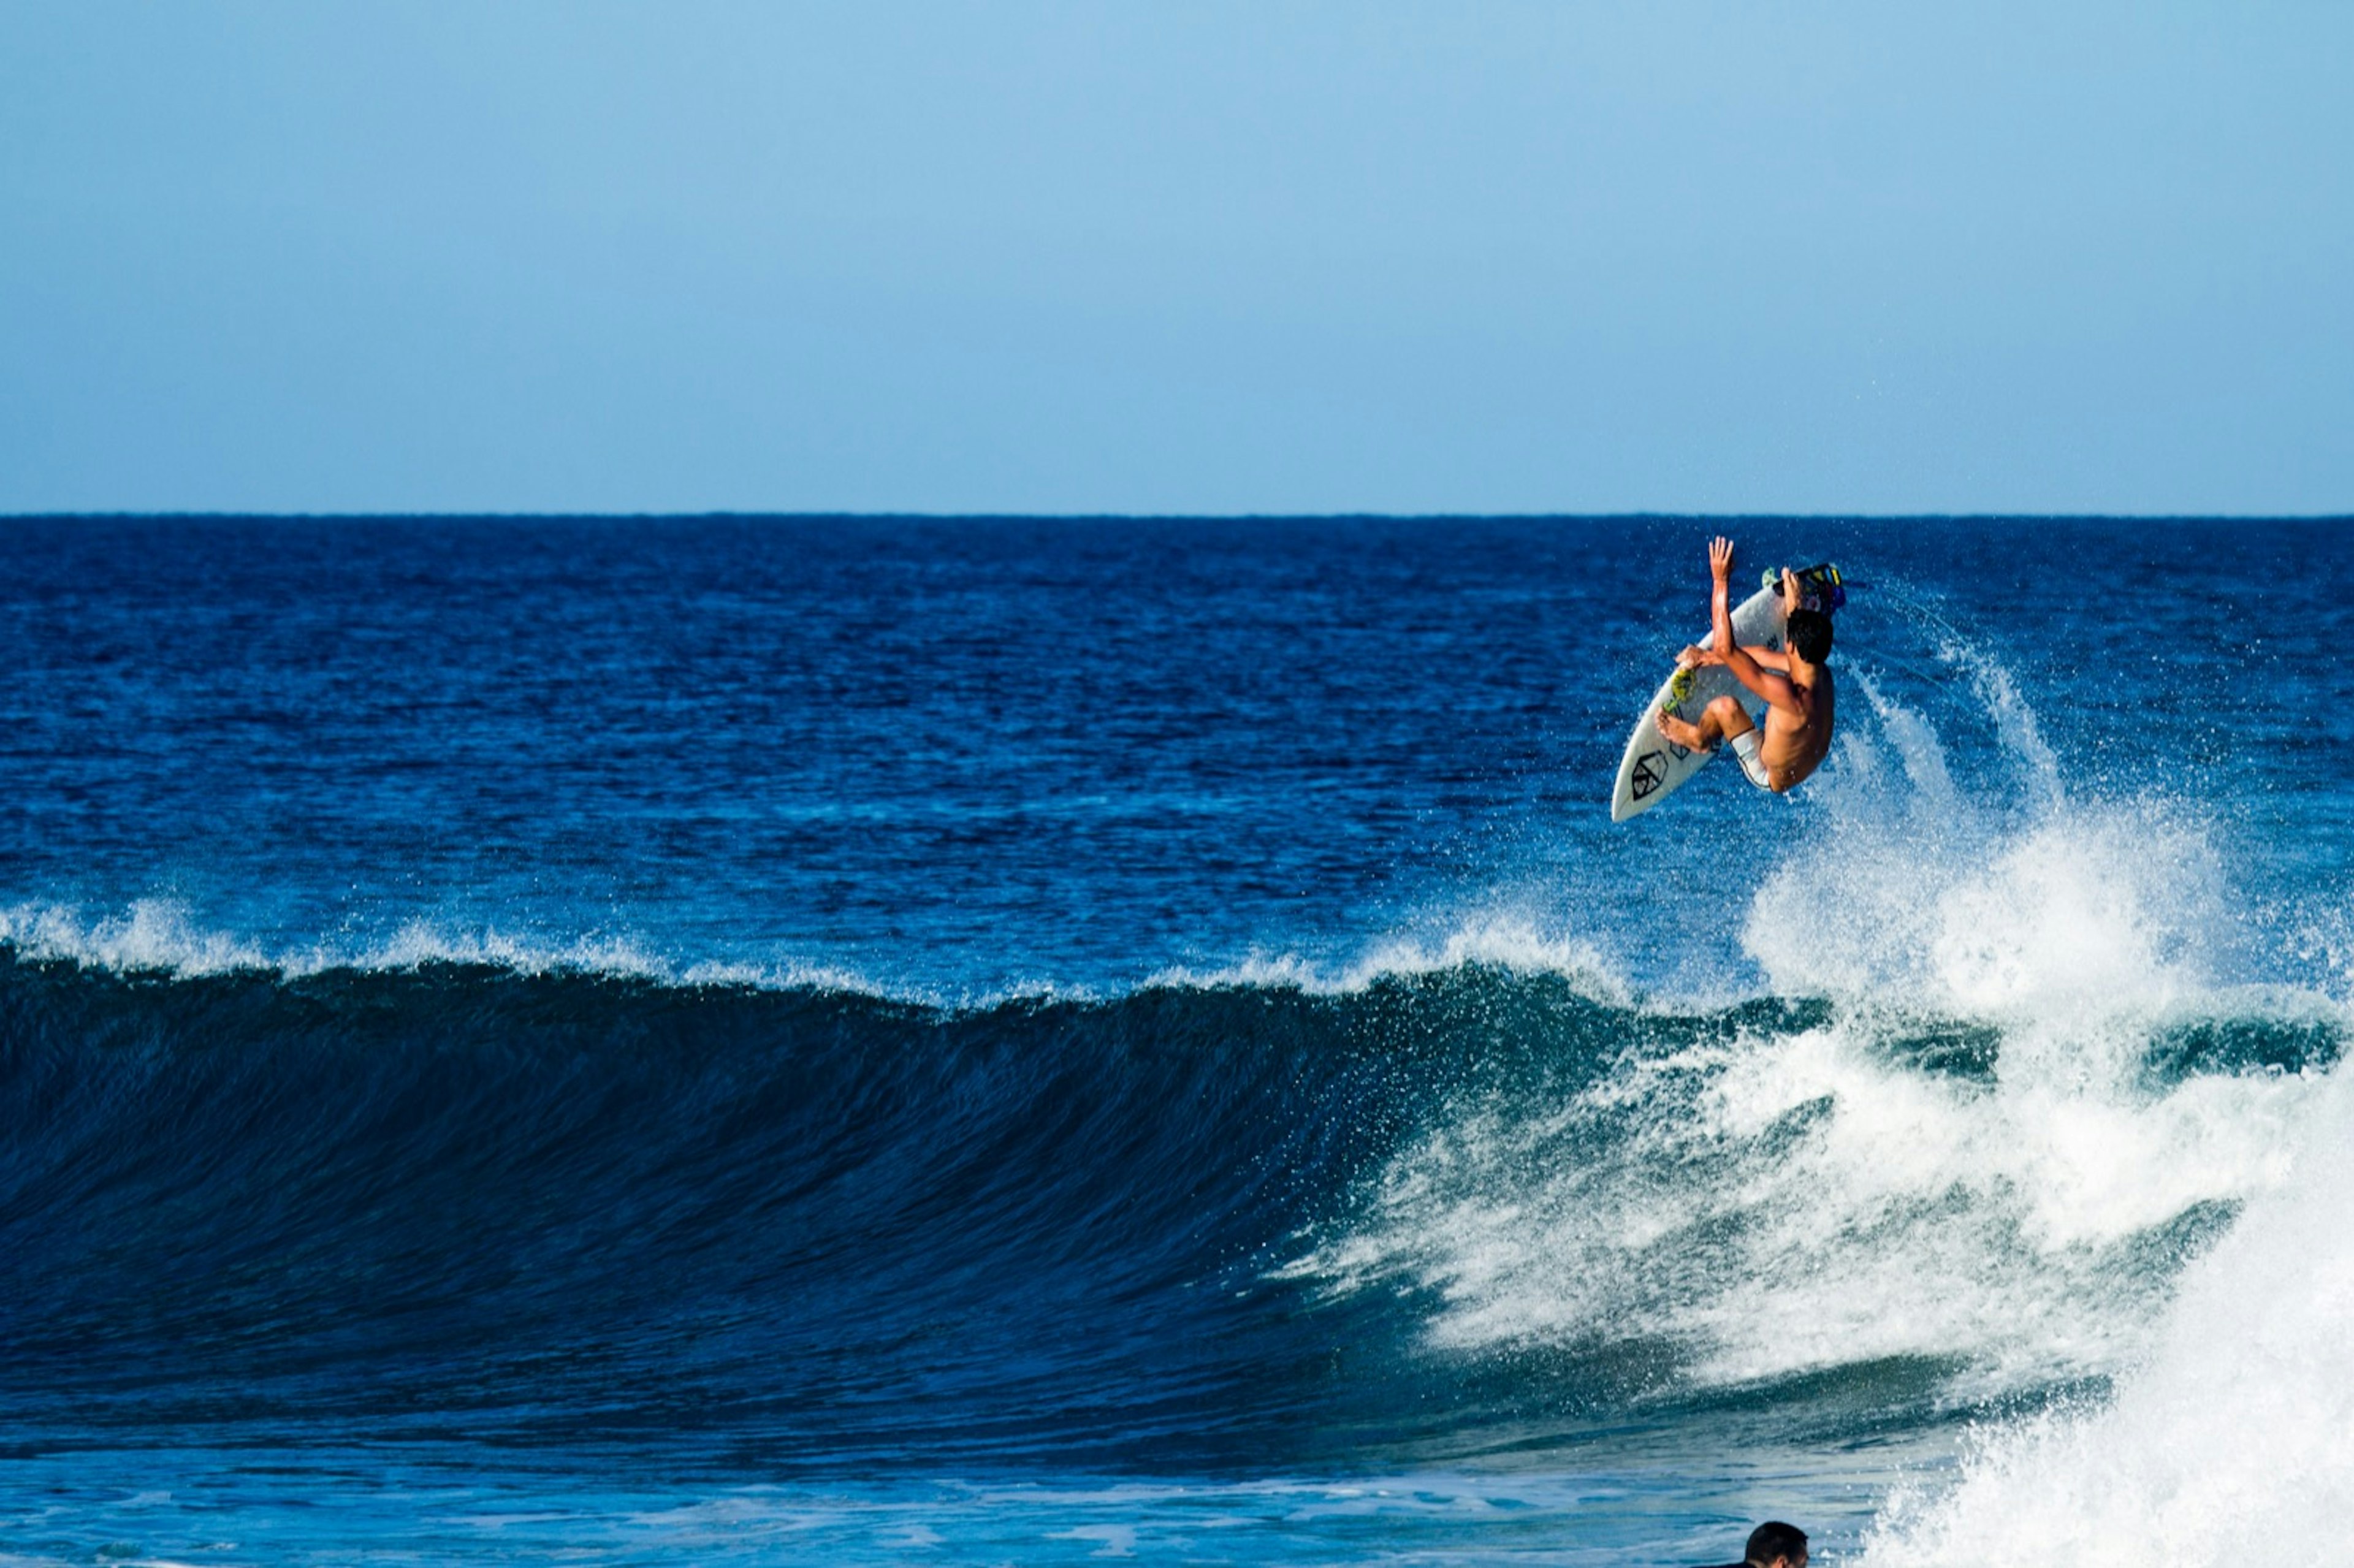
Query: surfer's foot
1687	736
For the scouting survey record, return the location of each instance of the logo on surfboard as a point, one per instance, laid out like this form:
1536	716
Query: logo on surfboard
1650	772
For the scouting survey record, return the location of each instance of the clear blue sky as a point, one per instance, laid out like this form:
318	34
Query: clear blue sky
1176	258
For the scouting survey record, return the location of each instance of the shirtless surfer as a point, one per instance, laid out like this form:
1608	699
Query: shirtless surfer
1796	686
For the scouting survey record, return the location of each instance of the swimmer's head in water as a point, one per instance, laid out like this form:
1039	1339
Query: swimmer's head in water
1773	1542
1809	635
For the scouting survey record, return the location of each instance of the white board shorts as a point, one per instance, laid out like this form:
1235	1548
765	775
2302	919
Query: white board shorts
1745	750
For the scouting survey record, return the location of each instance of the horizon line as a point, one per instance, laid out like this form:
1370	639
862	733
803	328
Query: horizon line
1646	515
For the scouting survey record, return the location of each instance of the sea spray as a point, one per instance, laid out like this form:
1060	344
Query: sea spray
2228	1439
2010	1081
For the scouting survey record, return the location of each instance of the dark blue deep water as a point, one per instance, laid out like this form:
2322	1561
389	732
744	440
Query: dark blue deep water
799	1040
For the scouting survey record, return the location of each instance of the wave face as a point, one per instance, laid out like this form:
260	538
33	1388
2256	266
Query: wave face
1453	1211
570	1206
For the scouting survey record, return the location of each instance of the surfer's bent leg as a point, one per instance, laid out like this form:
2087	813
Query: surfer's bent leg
1752	765
1720	721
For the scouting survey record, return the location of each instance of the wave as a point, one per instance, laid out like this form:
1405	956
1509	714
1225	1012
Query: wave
1449	1208
564	1203
2024	1054
1791	1190
2008	1059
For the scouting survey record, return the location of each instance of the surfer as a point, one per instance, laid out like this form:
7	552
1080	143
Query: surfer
1774	1544
1796	685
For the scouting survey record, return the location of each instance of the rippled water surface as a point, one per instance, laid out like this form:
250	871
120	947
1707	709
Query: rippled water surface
996	1040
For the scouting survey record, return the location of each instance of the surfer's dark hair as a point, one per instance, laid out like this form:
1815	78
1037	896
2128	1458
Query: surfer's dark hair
1809	634
1774	1539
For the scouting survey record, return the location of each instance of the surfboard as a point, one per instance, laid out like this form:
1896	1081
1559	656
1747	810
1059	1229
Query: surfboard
1655	767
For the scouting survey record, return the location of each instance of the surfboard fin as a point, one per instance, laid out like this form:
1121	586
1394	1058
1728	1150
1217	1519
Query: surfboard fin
1821	587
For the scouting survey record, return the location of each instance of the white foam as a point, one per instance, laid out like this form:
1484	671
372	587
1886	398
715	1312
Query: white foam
419	943
1911	1213
2011	1222
1513	943
159	936
2231	1441
2094	908
164	936
1915	895
152	934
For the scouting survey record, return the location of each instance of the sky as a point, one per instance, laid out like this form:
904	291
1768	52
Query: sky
1120	256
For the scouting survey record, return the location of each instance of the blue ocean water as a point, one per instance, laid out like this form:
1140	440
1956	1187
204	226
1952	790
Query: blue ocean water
872	1040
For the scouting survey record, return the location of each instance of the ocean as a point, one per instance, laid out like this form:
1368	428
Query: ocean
862	1040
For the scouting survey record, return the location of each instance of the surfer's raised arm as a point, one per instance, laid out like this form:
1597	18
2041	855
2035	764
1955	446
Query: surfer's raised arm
1772	685
1720	599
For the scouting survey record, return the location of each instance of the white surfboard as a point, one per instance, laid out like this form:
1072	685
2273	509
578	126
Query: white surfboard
1654	766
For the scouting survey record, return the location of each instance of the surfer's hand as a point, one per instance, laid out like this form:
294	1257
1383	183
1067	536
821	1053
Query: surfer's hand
1793	596
1719	560
1693	658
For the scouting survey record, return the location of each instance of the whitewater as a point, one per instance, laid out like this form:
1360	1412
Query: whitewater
837	1040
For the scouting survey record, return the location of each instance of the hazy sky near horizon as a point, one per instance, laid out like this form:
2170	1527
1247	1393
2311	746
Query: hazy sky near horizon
1208	258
